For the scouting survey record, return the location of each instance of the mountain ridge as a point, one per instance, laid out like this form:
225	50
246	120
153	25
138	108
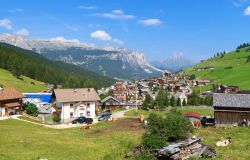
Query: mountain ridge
122	63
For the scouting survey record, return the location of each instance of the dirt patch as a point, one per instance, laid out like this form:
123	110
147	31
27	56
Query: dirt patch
131	125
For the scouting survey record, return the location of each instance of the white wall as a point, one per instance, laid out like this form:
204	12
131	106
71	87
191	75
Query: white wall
77	110
2	110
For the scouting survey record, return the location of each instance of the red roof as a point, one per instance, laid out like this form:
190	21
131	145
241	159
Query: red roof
192	114
10	93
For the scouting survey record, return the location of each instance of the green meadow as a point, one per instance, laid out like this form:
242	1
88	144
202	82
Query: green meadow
24	84
232	69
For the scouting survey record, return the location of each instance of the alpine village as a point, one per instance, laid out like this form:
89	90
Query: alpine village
91	97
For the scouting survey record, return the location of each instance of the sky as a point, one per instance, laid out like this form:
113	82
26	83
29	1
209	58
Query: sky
195	28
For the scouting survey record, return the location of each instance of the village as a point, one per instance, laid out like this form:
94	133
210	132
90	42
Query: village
83	107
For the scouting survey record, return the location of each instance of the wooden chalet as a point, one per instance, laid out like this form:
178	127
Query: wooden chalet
10	102
110	103
231	109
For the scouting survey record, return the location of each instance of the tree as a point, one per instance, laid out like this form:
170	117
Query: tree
147	102
178	102
173	101
184	102
32	110
160	100
194	99
192	77
173	126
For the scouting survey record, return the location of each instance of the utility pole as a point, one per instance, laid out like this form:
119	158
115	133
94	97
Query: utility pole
136	90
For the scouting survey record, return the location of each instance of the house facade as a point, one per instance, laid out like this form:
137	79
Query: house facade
10	102
73	103
231	109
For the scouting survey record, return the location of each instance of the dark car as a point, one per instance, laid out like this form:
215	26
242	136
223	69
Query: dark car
205	121
82	120
104	117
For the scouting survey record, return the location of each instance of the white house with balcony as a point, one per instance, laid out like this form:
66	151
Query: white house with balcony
80	102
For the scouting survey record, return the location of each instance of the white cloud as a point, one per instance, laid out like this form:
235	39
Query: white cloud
101	35
22	32
6	23
118	41
247	11
115	14
16	10
62	39
150	22
87	7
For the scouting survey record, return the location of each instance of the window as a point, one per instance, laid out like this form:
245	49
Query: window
71	115
81	114
88	105
71	105
88	113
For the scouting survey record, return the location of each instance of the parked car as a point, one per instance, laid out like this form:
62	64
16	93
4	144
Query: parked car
82	120
104	117
207	121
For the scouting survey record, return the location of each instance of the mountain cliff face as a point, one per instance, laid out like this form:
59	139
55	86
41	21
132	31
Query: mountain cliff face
174	62
118	63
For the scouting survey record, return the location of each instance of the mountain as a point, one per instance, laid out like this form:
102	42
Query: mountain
21	62
109	61
174	63
232	68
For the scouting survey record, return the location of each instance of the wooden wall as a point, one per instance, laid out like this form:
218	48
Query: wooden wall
229	115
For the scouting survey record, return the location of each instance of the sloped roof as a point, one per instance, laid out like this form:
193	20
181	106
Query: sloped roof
110	97
10	93
76	95
231	100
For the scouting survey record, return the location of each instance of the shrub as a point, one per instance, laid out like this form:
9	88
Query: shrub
229	67
173	127
56	119
32	110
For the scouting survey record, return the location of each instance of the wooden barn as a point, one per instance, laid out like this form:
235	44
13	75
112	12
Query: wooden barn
231	109
110	103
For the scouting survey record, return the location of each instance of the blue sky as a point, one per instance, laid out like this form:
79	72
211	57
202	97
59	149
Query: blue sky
159	28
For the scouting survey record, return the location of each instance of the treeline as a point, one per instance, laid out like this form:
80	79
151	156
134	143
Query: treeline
220	54
244	45
23	62
163	100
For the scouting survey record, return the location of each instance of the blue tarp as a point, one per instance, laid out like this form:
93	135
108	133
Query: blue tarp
44	97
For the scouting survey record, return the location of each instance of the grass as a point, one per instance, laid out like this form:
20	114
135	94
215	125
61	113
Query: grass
28	119
24	141
238	150
24	84
208	111
232	69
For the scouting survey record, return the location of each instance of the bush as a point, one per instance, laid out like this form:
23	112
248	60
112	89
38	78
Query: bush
56	119
173	127
31	109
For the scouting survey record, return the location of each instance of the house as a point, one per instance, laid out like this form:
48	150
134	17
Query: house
73	103
10	102
231	108
182	97
110	103
120	91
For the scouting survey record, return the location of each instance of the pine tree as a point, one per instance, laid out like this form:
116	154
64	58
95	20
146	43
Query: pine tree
178	102
172	101
147	102
184	102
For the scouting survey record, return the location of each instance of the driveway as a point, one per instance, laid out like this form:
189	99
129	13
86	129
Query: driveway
120	114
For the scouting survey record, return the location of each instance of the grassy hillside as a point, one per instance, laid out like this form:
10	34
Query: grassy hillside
24	84
232	69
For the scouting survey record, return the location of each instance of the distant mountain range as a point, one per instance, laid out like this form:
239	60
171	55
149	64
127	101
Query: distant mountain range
117	63
173	63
